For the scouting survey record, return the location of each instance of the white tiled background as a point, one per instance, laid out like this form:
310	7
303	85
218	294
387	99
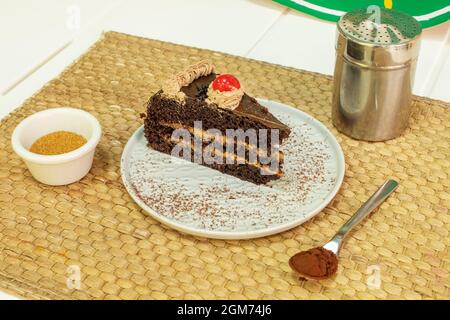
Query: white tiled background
38	39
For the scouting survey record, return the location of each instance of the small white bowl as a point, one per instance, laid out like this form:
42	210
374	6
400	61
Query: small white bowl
64	168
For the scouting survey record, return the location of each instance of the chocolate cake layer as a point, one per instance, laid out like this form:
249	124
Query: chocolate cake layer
162	109
262	151
242	155
245	172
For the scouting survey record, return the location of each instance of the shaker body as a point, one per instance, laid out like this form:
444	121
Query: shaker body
372	104
374	74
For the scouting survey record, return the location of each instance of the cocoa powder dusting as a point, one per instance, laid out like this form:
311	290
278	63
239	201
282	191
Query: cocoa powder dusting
317	263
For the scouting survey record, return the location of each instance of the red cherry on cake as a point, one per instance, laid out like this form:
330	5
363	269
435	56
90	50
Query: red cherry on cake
226	82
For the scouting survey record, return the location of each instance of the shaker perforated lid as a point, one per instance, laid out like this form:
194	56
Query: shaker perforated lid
379	26
375	37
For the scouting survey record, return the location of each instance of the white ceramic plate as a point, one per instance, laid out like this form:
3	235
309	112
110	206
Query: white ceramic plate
204	202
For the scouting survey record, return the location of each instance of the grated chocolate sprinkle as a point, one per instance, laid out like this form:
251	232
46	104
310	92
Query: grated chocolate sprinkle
202	198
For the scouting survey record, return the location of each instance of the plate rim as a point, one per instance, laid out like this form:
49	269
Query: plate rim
230	235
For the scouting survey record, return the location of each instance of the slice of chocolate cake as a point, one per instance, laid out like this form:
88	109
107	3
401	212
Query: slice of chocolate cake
207	118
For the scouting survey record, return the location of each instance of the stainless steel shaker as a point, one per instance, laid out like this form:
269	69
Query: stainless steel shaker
376	54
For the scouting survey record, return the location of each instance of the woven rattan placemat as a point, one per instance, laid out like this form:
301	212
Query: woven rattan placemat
401	251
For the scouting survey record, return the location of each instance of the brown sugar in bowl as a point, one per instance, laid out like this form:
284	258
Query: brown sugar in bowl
59	169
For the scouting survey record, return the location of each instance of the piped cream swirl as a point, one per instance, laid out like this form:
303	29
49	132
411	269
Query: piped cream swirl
173	85
227	99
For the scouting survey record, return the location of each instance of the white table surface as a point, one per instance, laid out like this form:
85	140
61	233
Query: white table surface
40	38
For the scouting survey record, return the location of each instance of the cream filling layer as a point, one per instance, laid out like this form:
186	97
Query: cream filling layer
265	169
205	135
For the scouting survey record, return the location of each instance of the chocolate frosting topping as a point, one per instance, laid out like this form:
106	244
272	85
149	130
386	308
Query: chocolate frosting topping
248	106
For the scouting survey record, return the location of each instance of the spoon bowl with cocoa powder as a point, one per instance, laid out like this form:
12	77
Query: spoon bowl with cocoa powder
321	262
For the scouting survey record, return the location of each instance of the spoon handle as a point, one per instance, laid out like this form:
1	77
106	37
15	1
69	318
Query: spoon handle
374	201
